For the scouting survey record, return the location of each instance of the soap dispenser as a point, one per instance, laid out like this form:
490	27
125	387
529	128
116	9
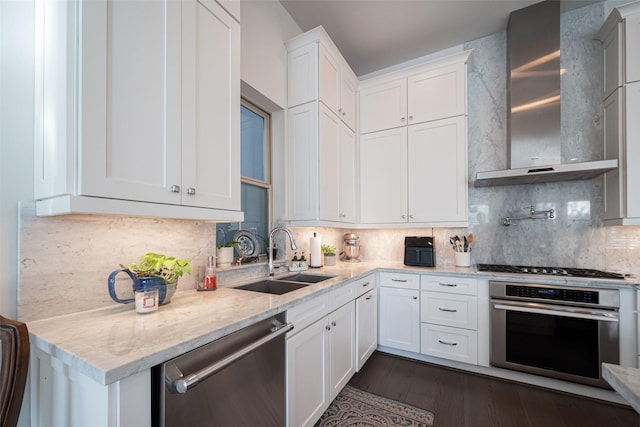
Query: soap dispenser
209	281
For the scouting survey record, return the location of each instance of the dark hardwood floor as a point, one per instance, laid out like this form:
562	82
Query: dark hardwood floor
462	399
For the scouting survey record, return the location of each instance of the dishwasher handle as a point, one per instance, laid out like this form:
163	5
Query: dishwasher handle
182	385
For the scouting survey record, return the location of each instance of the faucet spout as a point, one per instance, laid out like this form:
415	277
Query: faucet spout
270	250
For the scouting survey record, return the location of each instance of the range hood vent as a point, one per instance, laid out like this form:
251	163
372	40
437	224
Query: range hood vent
533	104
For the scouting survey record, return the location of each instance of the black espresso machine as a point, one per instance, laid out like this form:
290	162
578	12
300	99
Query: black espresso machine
419	252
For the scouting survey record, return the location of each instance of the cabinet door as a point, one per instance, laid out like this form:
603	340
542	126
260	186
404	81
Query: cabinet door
613	70
302	83
342	342
210	106
329	151
131	98
436	94
383	106
632	47
383	177
302	162
613	149
366	327
632	114
347	110
347	169
437	171
399	319
329	83
307	374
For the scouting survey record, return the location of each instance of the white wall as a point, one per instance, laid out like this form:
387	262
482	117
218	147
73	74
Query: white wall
16	136
265	26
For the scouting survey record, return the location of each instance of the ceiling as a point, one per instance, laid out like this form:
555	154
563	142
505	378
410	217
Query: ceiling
376	34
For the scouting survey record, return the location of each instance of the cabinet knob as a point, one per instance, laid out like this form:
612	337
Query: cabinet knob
174	188
402	119
340	110
333	323
410	117
404	216
328	328
415	297
344	113
410	216
191	191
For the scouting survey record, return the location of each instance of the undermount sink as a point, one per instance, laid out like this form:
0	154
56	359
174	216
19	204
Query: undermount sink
276	287
307	278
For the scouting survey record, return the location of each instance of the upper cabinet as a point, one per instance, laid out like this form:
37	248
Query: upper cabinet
317	72
620	36
413	146
321	143
424	96
138	110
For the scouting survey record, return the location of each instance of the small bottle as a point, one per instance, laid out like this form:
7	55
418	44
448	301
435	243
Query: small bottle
294	261
209	282
303	261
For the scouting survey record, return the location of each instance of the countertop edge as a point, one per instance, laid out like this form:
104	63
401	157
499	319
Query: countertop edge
626	381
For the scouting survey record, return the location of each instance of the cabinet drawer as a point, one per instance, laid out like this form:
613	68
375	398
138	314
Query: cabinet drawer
460	311
308	312
449	343
449	284
400	280
365	284
342	295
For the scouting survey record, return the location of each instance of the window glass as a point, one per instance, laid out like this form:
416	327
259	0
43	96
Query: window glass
252	139
256	185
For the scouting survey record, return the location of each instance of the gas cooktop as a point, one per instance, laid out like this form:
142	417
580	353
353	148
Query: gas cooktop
550	271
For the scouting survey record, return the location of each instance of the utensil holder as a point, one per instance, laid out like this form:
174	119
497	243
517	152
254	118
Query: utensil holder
463	259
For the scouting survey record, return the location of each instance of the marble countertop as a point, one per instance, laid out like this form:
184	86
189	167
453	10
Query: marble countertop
112	343
625	381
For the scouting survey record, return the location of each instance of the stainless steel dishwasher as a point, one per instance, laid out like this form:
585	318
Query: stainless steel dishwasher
237	380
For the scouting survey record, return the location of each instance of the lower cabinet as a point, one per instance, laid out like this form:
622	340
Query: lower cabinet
320	362
449	316
399	321
366	327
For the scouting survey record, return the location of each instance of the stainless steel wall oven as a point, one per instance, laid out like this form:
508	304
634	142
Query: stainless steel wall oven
557	331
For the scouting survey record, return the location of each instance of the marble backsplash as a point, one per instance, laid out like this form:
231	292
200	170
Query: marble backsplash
65	261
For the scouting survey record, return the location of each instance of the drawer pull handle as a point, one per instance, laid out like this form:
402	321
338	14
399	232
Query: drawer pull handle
451	285
399	280
415	297
447	343
448	310
369	297
364	285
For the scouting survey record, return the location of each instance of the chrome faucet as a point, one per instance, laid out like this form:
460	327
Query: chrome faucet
270	248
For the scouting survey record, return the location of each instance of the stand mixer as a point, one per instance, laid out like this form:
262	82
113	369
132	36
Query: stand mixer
351	250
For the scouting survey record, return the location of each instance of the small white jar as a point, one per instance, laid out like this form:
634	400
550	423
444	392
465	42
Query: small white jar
146	301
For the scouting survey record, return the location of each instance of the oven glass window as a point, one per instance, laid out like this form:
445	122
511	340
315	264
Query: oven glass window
555	343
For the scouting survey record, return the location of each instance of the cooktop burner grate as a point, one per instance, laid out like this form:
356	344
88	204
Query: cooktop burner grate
550	271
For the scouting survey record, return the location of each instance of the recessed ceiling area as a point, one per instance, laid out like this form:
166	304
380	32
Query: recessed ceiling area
376	34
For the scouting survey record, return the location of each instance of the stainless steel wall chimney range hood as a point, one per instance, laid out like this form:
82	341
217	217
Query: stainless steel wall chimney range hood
533	104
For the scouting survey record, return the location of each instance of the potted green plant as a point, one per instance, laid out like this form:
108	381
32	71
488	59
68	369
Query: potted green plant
158	265
329	252
224	255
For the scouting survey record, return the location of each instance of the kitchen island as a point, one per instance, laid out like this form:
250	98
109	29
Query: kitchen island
110	351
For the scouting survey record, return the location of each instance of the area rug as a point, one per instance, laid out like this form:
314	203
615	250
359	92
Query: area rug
357	408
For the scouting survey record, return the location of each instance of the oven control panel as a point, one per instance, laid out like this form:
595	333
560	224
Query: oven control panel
568	295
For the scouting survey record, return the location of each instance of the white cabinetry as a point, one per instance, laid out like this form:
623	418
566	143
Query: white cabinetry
449	316
416	174
321	353
366	320
399	311
137	110
620	36
434	94
321	147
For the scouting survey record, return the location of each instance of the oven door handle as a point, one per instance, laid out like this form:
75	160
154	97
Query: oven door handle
578	313
182	385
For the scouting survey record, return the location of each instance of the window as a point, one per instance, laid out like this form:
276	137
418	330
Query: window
255	171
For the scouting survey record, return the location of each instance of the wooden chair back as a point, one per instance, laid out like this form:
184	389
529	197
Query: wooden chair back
14	366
